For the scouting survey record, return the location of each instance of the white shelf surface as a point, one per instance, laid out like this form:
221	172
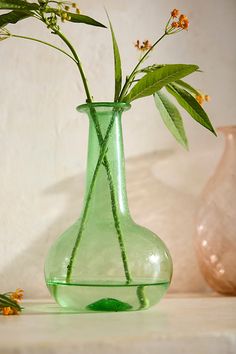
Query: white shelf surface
183	324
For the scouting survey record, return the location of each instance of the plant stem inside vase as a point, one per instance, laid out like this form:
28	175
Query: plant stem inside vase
105	261
103	161
88	198
113	198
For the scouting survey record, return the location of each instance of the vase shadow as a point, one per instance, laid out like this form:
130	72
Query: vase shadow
153	204
27	269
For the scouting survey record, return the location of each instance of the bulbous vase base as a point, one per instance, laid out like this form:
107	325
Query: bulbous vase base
105	261
110	297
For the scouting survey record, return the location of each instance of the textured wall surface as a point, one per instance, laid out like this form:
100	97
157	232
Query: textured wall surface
43	139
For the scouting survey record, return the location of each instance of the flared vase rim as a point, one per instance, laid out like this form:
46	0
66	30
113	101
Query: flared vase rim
119	106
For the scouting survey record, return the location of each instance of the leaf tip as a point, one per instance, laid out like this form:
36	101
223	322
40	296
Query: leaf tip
214	132
184	143
186	146
211	128
195	67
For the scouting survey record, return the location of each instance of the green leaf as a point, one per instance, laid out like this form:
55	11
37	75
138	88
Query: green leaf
5	301
84	19
117	63
190	104
13	17
154	81
77	18
19	5
188	87
171	117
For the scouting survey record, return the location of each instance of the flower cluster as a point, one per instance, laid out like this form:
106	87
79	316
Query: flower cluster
65	8
74	6
144	46
201	98
62	10
177	22
12	299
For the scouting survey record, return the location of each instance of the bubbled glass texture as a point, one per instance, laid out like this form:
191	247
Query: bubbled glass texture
100	280
216	221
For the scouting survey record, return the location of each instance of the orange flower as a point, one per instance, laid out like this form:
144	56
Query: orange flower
183	22
175	24
182	18
174	13
17	295
7	311
146	45
137	44
200	99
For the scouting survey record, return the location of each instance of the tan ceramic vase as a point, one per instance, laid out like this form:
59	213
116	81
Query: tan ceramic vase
216	221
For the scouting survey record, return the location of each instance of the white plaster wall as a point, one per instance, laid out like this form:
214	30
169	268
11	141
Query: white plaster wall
43	140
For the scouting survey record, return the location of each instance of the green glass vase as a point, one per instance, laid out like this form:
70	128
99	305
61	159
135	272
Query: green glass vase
105	261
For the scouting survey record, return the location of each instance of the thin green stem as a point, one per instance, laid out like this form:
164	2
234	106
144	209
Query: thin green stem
130	78
117	223
113	200
89	195
102	159
143	301
74	53
167	25
43	42
78	62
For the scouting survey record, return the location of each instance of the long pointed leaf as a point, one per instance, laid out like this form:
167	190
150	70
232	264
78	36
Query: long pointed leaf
117	63
171	117
77	18
13	17
190	104
187	87
155	80
19	5
84	19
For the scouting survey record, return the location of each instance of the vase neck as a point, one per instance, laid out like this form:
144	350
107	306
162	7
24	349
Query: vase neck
228	159
110	185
